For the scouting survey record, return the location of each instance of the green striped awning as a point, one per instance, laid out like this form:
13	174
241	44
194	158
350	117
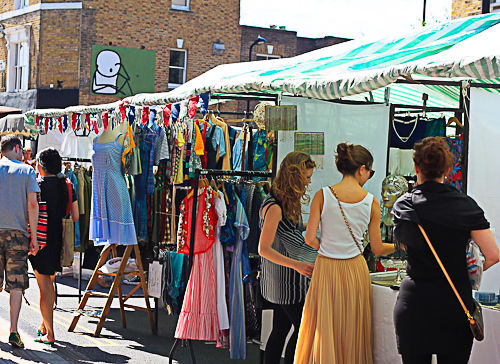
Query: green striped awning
462	48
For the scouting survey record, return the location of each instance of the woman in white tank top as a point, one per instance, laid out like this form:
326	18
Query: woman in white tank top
336	324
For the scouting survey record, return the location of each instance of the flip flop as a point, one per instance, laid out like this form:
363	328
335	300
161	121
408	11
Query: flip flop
43	340
39	333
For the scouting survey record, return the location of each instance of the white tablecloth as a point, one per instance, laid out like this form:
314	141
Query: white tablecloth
385	349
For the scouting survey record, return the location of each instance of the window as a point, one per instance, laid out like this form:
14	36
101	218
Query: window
21	66
18	57
180	5
264	57
177	68
19	4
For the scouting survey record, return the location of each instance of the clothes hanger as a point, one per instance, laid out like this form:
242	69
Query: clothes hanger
455	120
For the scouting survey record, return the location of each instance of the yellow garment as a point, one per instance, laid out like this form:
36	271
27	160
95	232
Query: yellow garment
128	145
336	325
199	146
179	177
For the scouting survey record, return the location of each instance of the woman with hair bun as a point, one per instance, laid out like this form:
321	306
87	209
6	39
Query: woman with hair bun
336	325
55	194
286	261
428	316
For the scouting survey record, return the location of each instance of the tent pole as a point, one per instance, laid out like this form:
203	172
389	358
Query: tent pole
465	98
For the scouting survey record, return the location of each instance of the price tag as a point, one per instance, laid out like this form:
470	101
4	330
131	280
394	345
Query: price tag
154	279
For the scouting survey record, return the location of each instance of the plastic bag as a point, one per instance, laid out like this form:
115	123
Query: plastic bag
475	261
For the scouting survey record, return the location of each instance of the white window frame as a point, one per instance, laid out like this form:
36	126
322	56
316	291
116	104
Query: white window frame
20	4
174	85
267	56
16	36
182	7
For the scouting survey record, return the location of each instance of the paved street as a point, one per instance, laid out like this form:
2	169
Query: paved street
134	344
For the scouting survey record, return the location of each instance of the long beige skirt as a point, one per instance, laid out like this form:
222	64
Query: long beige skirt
336	323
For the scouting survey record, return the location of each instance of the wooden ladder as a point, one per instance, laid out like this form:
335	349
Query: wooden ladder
116	286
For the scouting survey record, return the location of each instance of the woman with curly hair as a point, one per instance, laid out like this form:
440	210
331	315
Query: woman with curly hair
286	261
56	197
336	326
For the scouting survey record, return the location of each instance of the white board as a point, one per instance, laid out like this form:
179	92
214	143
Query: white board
483	172
367	125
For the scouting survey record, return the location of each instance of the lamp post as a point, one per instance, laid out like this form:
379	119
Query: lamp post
259	40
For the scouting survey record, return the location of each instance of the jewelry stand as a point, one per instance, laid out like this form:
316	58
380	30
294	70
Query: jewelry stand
116	286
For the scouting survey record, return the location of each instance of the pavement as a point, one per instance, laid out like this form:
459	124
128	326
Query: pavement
135	344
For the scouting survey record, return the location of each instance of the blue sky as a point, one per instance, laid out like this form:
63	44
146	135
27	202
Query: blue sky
343	18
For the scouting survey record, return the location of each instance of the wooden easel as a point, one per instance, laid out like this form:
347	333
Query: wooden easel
116	286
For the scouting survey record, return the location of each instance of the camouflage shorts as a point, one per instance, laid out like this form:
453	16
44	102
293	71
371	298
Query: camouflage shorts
14	248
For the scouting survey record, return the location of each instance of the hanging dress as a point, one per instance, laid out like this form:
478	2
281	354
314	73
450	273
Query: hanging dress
111	220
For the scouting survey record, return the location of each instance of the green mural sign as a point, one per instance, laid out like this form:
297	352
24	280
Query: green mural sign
122	71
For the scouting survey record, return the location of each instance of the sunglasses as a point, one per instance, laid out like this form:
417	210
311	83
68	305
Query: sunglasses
372	172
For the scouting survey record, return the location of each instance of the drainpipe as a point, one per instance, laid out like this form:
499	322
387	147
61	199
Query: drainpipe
485	6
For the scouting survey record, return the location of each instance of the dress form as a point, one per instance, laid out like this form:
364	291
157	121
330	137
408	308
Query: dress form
110	134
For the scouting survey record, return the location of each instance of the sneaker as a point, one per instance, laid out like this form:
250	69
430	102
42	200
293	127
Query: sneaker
15	340
134	281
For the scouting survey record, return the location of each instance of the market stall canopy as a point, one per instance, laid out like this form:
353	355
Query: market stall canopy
462	48
13	124
5	110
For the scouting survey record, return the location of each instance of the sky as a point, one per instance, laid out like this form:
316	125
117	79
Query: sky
343	18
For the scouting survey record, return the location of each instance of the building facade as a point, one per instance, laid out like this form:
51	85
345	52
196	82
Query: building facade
57	53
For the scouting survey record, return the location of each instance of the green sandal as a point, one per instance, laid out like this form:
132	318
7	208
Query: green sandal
43	340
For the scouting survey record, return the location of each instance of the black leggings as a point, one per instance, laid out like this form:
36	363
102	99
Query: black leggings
427	359
284	316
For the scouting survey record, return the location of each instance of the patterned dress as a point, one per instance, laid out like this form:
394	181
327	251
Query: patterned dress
111	220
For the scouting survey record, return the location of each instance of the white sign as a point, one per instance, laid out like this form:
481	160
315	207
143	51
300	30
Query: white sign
154	279
2	65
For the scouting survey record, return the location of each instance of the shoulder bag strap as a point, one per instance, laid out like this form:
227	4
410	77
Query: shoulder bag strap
345	220
469	316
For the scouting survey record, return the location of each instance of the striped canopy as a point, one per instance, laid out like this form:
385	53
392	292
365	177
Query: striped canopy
462	48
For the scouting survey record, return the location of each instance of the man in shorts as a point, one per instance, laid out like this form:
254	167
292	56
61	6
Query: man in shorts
18	205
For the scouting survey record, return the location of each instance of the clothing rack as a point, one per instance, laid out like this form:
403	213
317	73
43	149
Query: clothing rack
79	295
197	174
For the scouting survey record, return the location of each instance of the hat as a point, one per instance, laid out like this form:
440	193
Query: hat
259	114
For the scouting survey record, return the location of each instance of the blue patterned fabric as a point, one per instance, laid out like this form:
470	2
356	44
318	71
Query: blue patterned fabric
111	220
74	182
237	331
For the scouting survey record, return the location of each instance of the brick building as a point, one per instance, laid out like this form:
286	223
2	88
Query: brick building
464	8
50	50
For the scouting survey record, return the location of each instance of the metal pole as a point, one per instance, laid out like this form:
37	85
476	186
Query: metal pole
485	6
423	16
465	94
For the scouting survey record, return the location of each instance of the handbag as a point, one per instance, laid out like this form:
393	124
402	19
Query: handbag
476	319
68	235
474	264
360	247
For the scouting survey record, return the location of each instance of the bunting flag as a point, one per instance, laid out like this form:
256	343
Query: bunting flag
65	122
123	107
145	115
193	103
37	122
46	125
105	120
59	124
131	114
73	121
96	128
167	111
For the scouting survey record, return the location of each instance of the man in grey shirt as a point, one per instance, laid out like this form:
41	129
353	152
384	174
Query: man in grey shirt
18	205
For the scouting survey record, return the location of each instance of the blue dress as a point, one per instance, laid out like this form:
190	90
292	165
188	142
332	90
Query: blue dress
111	220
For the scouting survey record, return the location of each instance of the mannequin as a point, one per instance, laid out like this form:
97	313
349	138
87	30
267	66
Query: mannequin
110	134
392	188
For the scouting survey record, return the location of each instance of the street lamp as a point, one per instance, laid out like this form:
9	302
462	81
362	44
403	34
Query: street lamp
259	40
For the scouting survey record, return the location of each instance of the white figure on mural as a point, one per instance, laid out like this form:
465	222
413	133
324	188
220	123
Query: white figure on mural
108	70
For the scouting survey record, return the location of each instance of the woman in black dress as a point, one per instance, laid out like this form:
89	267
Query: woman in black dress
428	316
55	194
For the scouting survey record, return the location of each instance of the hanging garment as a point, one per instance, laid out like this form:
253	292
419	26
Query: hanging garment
259	158
435	128
220	209
205	223
454	178
210	149
111	219
199	319
237	332
228	231
406	131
